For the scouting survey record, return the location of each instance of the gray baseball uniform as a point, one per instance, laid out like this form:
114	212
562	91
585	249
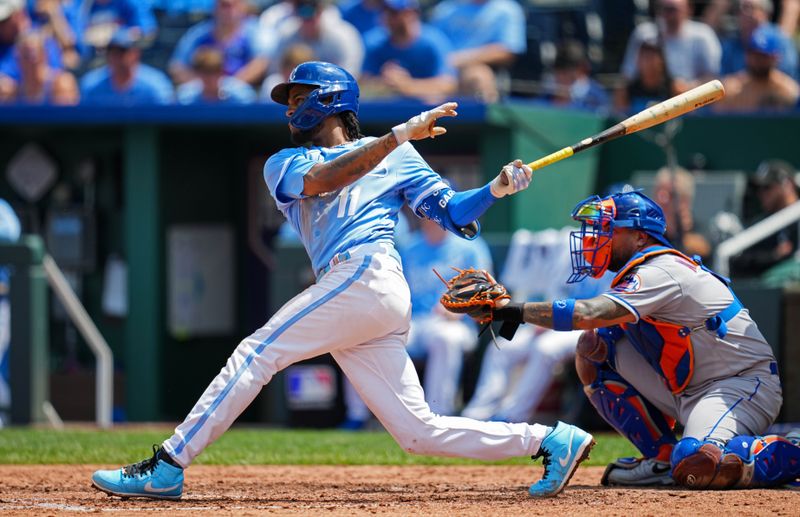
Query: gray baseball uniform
734	388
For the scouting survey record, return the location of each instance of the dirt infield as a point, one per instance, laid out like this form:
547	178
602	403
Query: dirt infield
309	490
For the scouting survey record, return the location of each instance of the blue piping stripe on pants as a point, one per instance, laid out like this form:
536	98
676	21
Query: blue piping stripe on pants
275	335
758	385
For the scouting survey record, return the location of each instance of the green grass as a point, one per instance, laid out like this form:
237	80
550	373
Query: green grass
241	446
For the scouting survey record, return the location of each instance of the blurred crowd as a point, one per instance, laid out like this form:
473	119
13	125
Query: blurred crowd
607	55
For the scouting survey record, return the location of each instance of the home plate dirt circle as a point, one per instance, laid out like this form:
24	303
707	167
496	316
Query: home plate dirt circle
485	491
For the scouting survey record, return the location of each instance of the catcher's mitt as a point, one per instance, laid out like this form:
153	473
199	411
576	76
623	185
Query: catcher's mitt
473	292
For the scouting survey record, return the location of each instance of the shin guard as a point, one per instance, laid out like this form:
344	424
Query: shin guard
631	414
769	460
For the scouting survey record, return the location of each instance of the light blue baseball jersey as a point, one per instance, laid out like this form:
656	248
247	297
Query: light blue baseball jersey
420	258
363	212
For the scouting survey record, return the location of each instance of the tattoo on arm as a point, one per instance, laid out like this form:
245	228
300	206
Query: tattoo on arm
347	168
596	312
600	311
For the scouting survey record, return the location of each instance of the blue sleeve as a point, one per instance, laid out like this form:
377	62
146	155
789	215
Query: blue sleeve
788	60
415	178
440	48
88	85
373	60
187	45
165	94
53	52
258	45
465	207
511	28
284	172
139	14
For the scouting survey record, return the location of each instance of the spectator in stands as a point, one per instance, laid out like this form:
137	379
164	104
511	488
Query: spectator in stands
101	19
485	35
761	86
330	38
292	56
775	181
212	86
364	15
59	18
691	48
125	80
286	12
410	59
573	87
235	33
14	23
651	82
40	84
753	14
674	193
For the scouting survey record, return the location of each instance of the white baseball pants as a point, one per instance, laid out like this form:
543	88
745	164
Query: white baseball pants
359	312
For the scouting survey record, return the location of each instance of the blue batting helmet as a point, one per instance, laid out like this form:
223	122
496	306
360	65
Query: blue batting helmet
590	247
337	91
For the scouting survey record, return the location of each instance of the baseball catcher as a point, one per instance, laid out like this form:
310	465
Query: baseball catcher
669	342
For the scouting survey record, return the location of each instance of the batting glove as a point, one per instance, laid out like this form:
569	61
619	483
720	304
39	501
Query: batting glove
424	125
514	177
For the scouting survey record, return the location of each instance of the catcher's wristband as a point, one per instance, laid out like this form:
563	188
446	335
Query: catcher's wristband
511	312
562	314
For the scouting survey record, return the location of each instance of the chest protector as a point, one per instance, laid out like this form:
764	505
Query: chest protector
668	346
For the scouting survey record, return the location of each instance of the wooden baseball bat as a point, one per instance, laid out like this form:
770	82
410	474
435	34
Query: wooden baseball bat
695	98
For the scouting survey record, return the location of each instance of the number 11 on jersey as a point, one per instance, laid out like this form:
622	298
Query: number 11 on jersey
349	197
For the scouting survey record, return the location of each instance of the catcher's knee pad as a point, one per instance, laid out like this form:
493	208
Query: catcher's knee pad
704	464
630	414
595	348
769	460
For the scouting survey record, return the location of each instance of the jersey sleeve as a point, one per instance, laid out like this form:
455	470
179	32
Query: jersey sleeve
284	172
646	291
415	177
188	43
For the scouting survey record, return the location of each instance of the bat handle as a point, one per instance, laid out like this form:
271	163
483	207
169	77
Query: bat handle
551	158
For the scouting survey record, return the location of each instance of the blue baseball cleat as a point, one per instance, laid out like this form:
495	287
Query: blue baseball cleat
563	450
156	478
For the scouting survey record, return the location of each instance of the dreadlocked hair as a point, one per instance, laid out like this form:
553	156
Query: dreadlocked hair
351	125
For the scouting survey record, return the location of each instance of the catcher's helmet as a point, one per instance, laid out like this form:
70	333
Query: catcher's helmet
337	91
590	247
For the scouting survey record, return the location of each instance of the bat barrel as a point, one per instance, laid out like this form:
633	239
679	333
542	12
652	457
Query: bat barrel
691	100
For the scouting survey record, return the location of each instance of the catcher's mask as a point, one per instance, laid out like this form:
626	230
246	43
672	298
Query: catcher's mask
337	91
590	247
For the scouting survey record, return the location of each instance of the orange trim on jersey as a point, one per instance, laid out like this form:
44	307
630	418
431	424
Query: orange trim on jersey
646	255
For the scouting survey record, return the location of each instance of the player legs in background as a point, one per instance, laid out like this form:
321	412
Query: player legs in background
548	350
497	367
536	353
442	342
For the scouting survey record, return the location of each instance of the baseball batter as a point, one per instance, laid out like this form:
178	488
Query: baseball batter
675	344
341	192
